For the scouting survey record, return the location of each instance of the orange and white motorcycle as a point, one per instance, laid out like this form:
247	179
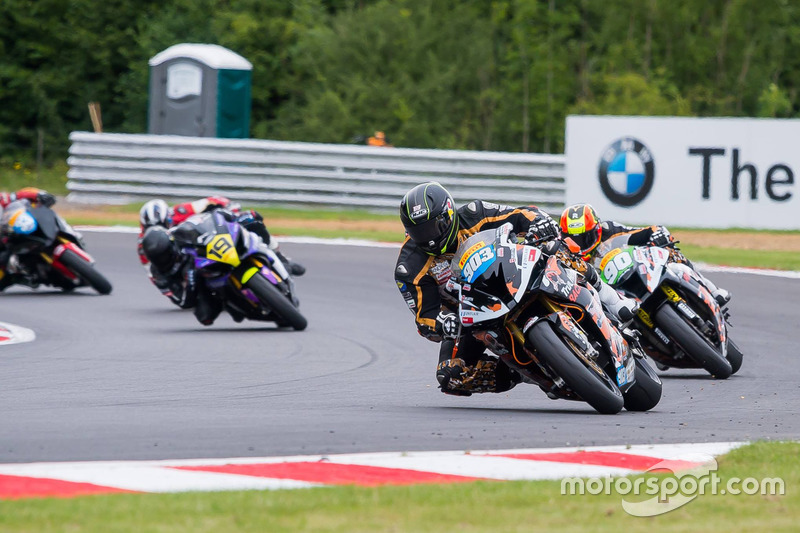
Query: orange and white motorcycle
681	323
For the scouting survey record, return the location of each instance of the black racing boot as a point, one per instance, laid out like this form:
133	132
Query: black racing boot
295	269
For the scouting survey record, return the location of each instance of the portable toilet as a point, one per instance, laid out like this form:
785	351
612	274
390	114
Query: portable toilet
200	90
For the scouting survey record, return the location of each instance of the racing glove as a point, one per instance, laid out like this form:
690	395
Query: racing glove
544	228
447	325
661	237
46	199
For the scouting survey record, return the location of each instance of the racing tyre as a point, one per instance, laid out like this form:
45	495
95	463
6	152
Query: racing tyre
693	342
598	391
645	393
86	271
735	356
277	302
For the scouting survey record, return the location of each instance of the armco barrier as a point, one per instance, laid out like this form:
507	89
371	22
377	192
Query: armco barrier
121	168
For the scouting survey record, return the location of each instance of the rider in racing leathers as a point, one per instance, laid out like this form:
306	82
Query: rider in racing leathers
174	274
581	223
8	267
434	230
158	213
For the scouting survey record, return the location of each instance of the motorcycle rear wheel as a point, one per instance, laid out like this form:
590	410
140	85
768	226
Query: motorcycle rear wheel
277	302
86	271
602	394
735	356
645	393
693	342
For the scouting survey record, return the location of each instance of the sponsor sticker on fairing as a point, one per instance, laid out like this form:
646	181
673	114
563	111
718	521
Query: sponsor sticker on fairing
466	255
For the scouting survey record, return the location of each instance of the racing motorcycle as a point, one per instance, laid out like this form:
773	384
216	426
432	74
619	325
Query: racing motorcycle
681	323
46	250
529	310
240	270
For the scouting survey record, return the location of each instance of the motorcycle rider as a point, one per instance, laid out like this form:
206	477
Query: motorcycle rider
581	223
8	264
434	228
158	213
174	274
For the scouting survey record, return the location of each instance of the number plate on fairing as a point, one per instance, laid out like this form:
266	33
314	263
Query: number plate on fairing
475	262
615	264
221	249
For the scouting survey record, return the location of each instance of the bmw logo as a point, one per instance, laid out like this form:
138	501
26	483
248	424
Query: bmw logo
626	172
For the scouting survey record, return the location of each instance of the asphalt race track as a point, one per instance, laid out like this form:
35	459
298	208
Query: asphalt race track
129	376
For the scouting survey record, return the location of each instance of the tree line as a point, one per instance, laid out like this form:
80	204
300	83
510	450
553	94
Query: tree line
462	74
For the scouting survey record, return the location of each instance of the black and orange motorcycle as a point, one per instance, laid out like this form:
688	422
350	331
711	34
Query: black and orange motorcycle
534	313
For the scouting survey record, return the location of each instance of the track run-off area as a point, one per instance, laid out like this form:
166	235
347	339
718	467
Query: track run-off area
130	377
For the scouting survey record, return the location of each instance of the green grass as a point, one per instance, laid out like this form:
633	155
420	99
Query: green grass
472	507
740	230
16	176
780	260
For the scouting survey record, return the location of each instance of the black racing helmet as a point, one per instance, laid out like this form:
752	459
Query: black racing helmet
429	215
159	248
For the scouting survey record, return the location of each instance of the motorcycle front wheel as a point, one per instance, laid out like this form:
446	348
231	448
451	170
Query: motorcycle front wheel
271	297
735	356
693	342
86	271
645	393
597	390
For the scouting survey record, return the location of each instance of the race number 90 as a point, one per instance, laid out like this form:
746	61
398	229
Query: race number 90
617	267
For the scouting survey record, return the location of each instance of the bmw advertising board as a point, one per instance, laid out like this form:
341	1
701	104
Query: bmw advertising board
697	172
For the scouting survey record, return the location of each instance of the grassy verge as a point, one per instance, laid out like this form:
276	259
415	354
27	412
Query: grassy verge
16	176
775	259
471	507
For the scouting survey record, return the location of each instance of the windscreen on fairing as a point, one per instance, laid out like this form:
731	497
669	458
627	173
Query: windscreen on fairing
475	256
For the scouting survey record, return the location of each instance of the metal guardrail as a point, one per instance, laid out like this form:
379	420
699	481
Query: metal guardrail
122	168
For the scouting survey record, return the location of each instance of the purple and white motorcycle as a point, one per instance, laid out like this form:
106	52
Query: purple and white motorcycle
240	269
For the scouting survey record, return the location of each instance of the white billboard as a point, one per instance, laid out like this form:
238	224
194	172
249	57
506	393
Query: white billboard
691	172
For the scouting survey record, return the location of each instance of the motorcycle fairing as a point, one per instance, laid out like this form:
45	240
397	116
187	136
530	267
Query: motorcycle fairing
619	264
22	223
498	262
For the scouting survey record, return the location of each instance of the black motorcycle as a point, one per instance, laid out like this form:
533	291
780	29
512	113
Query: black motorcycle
530	310
46	250
682	325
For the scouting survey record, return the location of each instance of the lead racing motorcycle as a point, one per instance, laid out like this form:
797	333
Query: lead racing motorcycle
682	325
532	312
46	250
239	269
